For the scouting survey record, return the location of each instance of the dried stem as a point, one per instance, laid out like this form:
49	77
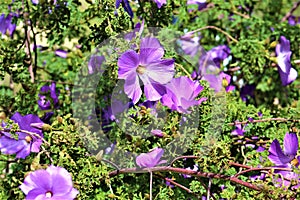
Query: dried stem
264	120
295	6
215	28
187	172
27	132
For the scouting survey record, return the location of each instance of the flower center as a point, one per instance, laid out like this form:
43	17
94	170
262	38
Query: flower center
28	139
48	194
295	162
225	82
141	70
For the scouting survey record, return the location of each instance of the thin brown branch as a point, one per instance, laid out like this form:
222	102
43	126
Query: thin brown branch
187	172
264	120
295	6
27	132
177	185
215	28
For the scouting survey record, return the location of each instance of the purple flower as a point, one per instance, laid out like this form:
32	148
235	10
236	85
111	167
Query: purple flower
238	130
160	3
292	20
286	72
216	54
95	63
35	2
150	159
201	3
126	6
157	133
61	53
247	92
149	66
52	183
279	157
6	24
226	82
181	93
169	184
286	177
189	44
25	143
43	102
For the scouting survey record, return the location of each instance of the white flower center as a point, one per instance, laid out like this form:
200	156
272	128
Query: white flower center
48	194
141	70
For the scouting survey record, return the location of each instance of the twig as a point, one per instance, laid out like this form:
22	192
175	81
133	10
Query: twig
185	71
295	6
261	169
177	185
151	177
27	132
185	171
241	14
264	120
216	28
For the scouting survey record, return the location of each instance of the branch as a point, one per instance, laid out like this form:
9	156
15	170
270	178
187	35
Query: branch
187	172
216	28
295	6
264	120
27	132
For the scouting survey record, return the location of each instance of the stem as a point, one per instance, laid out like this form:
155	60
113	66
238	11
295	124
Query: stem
216	28
264	120
185	171
295	6
184	70
151	176
27	132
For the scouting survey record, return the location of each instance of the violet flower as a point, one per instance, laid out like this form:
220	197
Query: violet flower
6	24
226	79
61	53
189	44
286	177
126	6
157	133
279	157
283	52
95	63
160	3
239	130
52	183
150	159
43	102
149	66
181	93
201	3
25	143
293	20
247	92
216	54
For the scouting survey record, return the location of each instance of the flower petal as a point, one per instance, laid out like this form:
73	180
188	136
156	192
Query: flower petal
132	88
128	62
161	71
276	155
290	144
